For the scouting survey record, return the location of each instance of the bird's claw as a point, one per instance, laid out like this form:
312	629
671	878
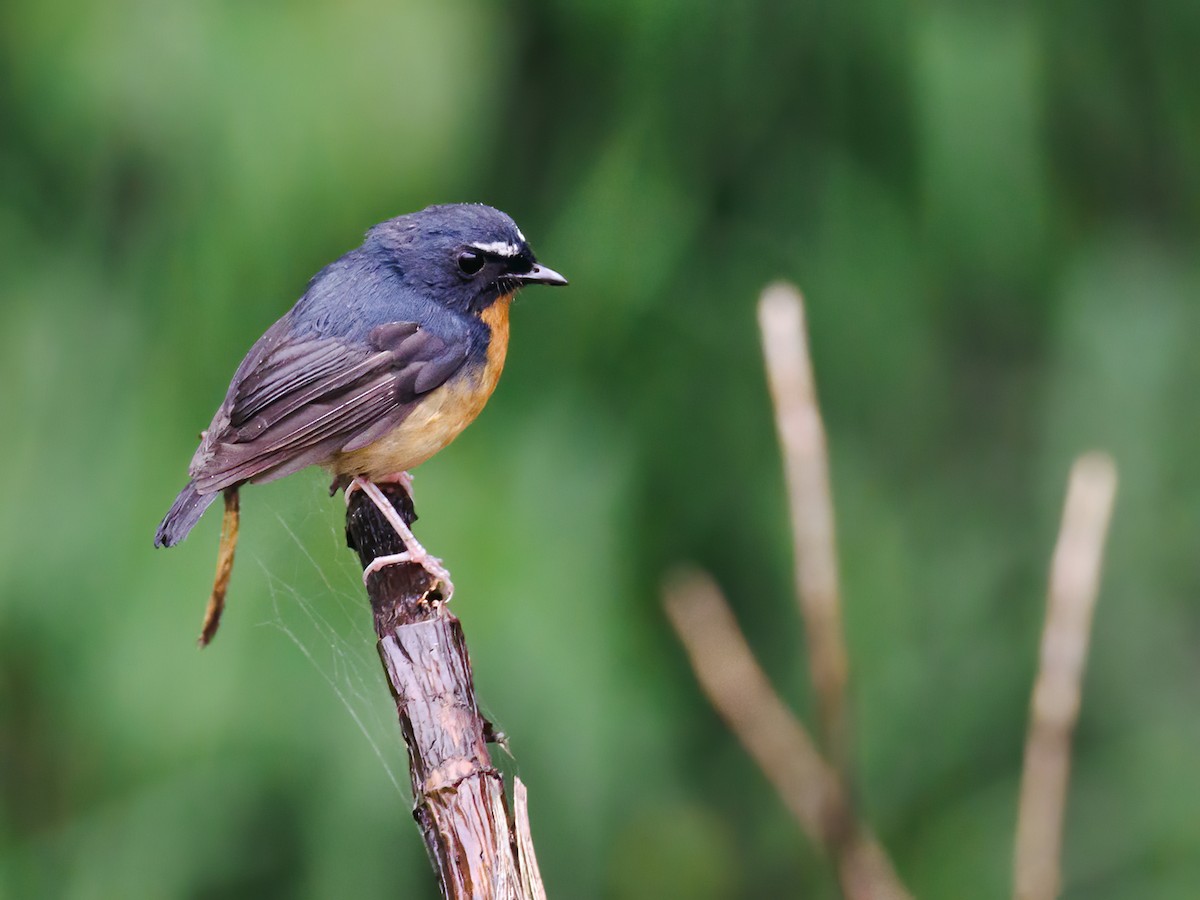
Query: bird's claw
431	564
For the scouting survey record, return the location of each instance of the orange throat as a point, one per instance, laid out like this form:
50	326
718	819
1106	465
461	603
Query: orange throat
495	317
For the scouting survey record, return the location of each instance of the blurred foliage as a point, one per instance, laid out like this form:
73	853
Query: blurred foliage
994	212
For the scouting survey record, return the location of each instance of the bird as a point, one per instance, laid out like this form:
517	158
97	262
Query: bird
392	350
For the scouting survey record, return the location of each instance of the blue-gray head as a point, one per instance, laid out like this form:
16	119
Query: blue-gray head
470	254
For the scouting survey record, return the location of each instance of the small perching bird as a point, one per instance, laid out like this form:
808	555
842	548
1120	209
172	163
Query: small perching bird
392	351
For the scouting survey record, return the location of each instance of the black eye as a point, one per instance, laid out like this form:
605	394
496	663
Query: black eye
470	262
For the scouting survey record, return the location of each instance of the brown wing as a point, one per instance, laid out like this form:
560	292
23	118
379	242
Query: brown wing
295	403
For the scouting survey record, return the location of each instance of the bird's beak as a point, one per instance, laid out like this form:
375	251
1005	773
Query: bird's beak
539	274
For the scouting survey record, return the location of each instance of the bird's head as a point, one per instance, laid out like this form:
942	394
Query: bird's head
466	254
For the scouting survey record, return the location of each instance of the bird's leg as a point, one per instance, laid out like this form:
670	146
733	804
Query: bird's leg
404	479
413	552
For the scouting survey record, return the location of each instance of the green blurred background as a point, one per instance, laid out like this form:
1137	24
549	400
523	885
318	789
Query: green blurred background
993	210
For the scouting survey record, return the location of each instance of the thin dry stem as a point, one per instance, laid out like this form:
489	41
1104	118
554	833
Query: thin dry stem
806	471
225	553
740	692
1074	584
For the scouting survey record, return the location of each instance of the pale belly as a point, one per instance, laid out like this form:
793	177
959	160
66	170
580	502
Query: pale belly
438	420
440	416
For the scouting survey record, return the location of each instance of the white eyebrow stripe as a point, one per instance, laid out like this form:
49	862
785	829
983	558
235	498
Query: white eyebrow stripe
498	248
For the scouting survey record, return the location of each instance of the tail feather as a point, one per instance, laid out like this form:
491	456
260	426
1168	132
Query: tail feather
185	512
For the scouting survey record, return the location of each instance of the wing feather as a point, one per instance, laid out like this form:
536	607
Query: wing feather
290	369
297	403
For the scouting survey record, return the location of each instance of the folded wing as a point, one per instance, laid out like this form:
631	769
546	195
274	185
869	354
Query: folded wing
295	403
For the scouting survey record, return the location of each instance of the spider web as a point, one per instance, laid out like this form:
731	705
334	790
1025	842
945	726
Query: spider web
335	638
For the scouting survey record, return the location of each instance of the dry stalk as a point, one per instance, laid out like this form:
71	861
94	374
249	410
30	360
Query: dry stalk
739	690
1074	584
815	790
806	472
225	552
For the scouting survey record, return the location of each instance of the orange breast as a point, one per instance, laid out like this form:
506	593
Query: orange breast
440	416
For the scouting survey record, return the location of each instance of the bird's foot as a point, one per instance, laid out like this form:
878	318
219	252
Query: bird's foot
413	551
424	559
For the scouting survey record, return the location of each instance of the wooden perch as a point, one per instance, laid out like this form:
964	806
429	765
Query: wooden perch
477	847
